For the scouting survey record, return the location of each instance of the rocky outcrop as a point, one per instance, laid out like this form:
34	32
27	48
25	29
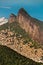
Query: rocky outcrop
31	25
12	18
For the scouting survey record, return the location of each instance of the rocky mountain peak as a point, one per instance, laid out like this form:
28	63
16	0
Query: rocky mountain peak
12	18
31	25
12	15
23	12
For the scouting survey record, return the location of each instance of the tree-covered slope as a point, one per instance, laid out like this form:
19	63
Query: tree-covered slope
10	57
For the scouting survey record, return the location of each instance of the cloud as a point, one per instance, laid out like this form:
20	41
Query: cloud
5	7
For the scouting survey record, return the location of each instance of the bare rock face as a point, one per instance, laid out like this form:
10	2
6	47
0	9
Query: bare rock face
31	25
12	18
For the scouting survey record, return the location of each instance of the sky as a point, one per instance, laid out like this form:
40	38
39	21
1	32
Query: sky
33	7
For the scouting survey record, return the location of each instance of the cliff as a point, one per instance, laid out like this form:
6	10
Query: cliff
12	18
31	25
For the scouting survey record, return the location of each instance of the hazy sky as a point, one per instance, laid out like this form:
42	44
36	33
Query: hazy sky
33	7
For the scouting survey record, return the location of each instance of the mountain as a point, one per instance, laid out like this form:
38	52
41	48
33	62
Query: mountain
31	25
12	18
19	33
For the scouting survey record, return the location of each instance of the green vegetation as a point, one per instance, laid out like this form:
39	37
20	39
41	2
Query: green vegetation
15	27
10	57
35	45
4	26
